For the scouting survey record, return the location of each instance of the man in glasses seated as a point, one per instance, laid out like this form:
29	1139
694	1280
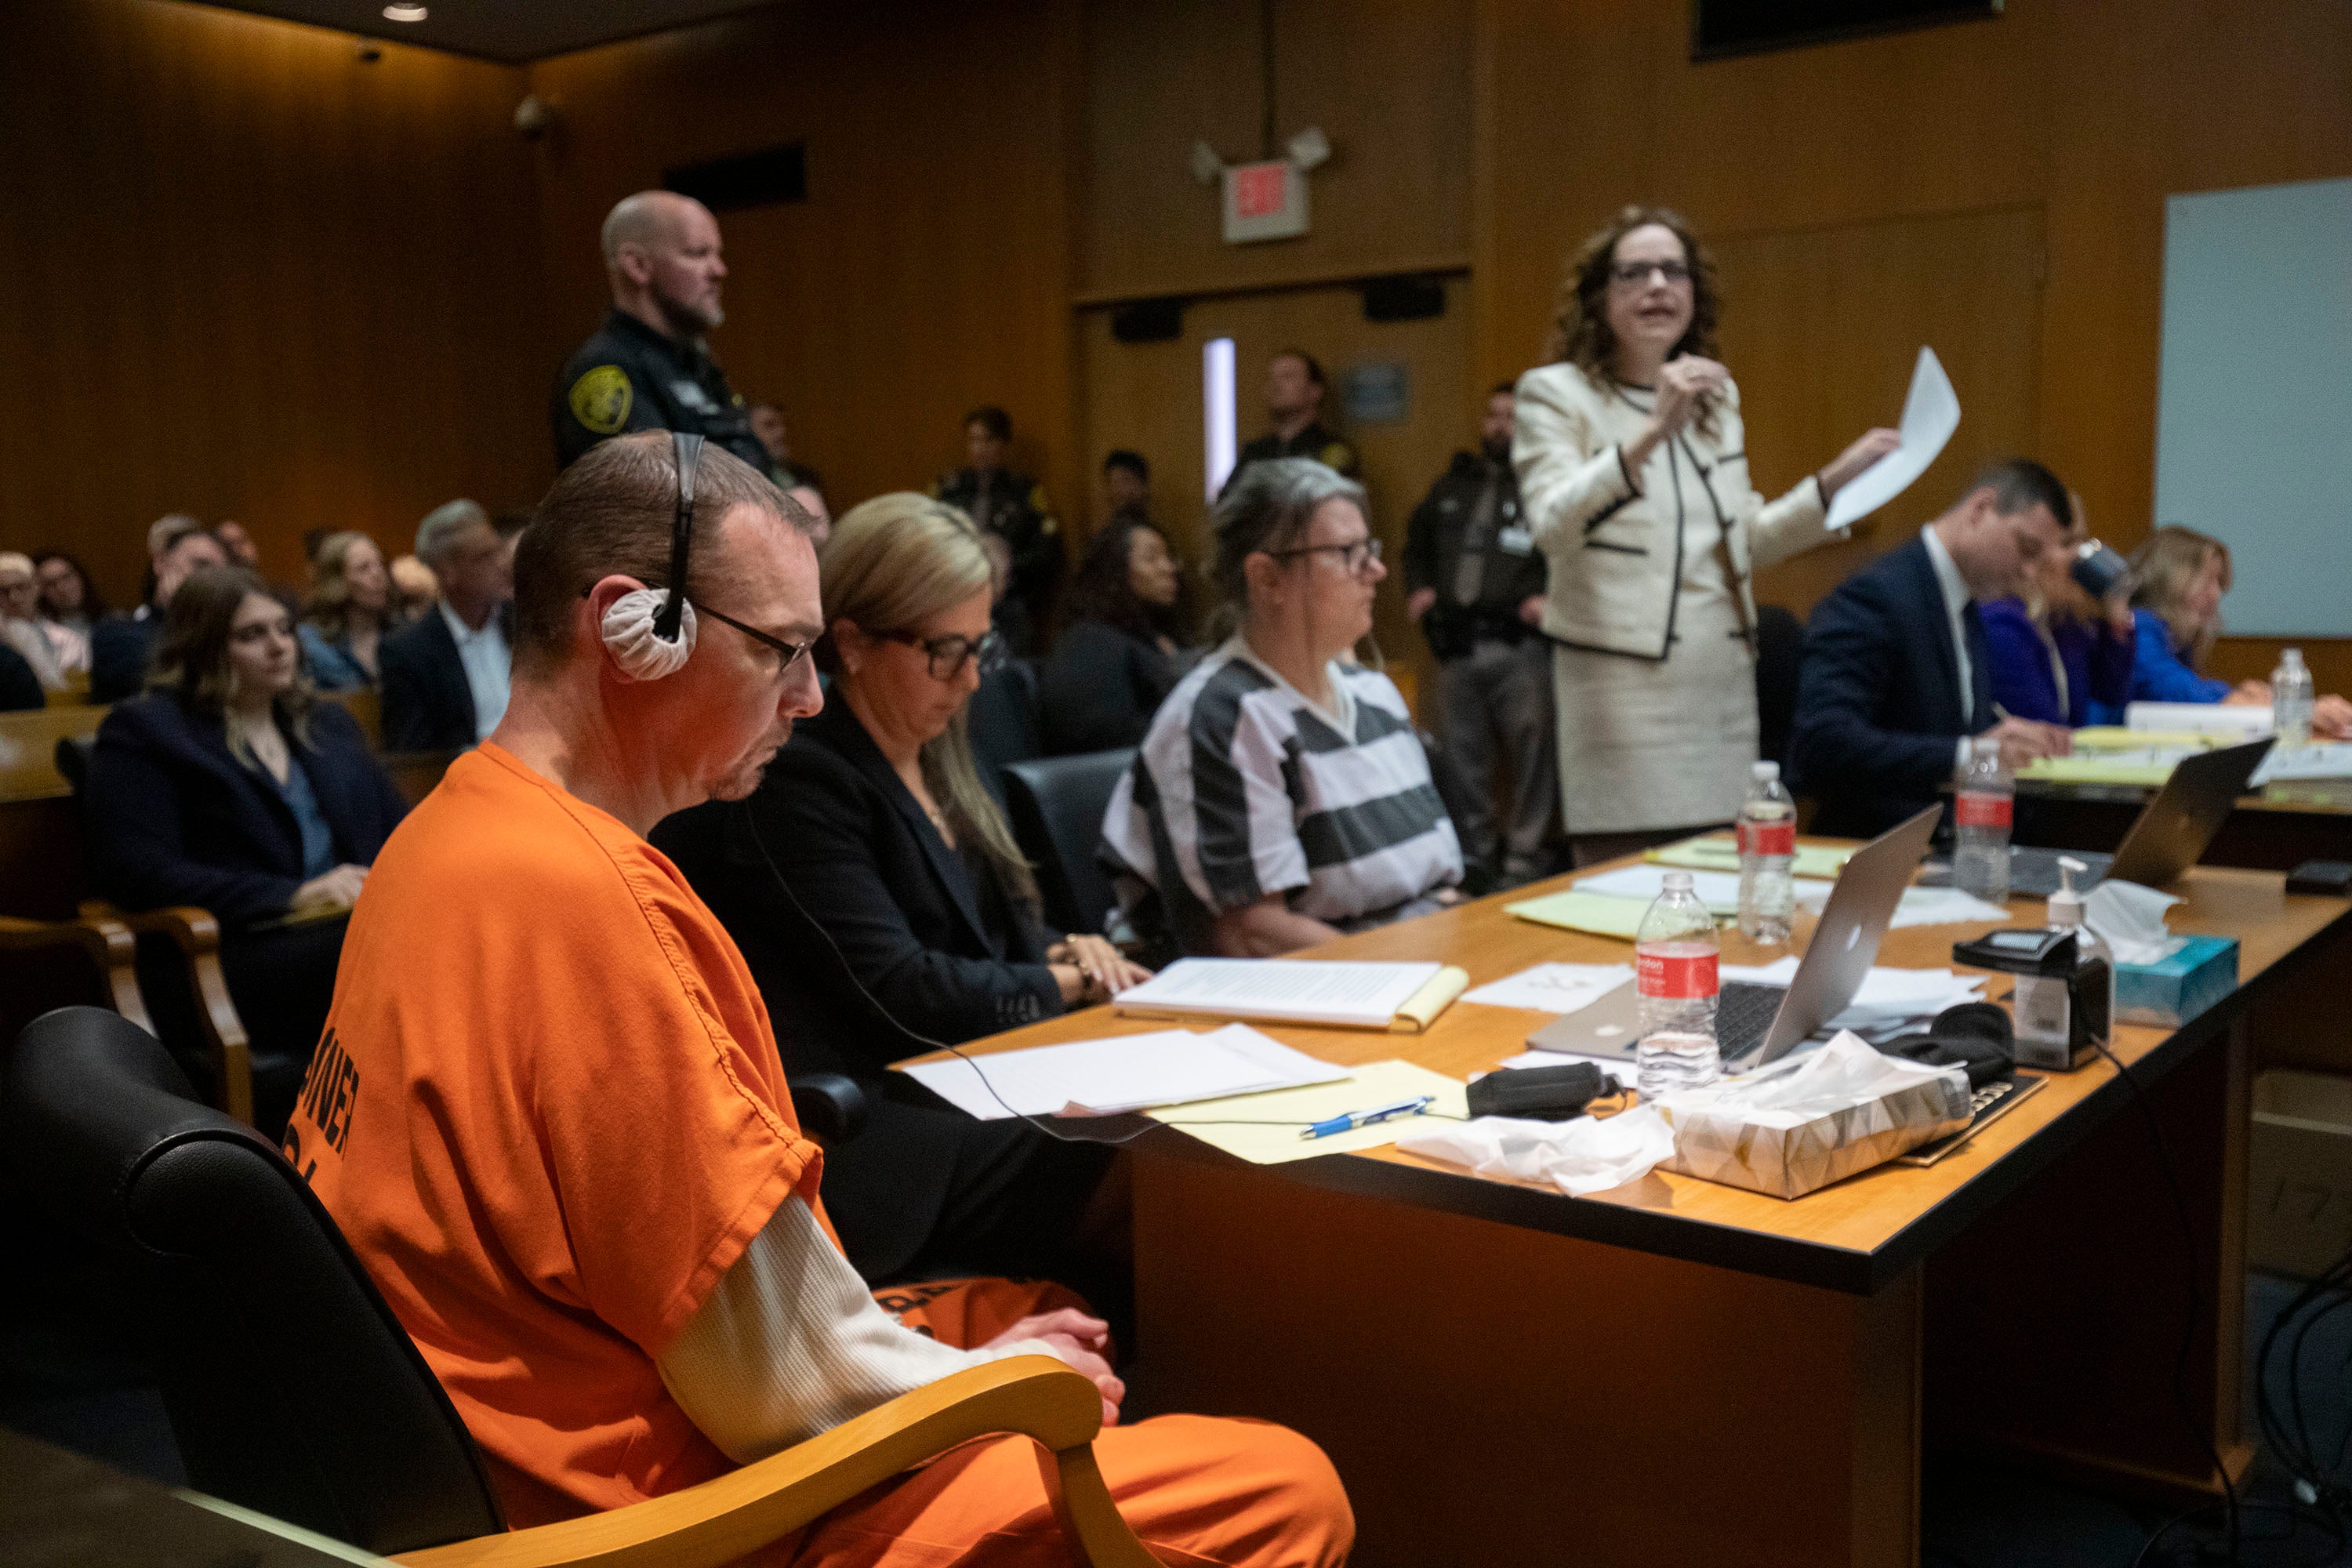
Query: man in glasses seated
1281	796
549	1115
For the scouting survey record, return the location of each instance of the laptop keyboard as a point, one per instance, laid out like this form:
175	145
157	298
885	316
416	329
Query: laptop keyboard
1743	1015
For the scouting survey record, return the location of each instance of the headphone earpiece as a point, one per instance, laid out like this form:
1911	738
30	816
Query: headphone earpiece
636	646
649	632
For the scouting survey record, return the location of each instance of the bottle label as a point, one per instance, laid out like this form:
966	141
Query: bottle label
1768	839
1983	809
1677	976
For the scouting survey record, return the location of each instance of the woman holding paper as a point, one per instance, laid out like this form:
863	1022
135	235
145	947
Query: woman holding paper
1634	478
884	909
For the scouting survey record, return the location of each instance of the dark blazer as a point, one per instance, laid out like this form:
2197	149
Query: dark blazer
427	704
119	646
1878	703
19	686
1100	689
178	820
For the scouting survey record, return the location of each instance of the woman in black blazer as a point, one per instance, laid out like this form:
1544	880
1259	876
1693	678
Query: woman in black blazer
224	786
880	899
1123	650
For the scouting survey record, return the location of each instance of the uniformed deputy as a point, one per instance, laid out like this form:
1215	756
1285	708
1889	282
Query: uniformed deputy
1294	407
1013	508
647	367
1475	581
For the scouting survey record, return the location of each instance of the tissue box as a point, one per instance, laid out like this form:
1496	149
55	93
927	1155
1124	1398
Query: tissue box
1846	1109
2174	990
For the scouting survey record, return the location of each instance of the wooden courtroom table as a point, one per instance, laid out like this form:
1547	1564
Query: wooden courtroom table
1677	1372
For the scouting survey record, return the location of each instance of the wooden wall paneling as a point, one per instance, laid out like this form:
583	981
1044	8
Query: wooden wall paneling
926	273
1388	80
1821	329
1147	396
253	277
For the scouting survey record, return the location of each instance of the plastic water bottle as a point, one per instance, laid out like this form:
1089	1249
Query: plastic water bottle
1986	803
1675	959
1768	849
2291	699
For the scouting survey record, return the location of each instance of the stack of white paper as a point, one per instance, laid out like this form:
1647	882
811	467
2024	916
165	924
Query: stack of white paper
1718	890
1126	1072
1295	991
1553	987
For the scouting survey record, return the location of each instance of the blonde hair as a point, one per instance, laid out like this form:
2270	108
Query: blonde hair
892	563
330	593
2164	569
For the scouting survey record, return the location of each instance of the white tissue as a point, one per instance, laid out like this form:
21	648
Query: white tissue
2130	920
1586	1155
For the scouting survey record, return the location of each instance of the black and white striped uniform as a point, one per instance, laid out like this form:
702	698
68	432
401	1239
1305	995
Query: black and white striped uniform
1247	788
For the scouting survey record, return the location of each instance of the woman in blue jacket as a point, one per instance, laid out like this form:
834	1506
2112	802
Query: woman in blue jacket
226	786
2178	578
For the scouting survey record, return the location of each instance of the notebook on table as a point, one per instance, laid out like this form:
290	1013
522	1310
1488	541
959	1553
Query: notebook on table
1400	998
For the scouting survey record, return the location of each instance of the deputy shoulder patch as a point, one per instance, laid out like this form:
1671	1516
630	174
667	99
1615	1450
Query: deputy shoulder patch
1340	455
600	399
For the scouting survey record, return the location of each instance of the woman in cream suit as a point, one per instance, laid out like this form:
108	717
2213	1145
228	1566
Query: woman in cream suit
1633	481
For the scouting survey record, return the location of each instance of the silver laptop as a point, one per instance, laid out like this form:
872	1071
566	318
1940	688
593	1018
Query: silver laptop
1760	1024
2171	835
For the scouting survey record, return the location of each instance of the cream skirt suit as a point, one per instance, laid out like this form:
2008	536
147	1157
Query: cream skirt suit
1649	612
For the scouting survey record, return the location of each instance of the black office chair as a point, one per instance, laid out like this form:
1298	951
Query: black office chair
293	1390
1780	650
1057	807
1002	720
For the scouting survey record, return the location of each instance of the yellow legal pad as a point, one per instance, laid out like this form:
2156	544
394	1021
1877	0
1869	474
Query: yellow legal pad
1238	1125
1720	852
1599	913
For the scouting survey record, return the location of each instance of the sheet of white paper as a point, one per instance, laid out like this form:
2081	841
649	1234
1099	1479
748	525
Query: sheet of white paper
1780	972
1553	987
2319	760
1919	906
1718	890
1125	1072
1931	414
1305	990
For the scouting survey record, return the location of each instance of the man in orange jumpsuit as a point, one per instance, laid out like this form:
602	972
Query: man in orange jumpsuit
549	1113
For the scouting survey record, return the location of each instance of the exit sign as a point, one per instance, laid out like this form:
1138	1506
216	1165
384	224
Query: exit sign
1265	201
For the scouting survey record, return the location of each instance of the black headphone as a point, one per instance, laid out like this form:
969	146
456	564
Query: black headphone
688	451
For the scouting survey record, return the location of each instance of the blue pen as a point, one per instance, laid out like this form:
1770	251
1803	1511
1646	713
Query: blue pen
1355	1119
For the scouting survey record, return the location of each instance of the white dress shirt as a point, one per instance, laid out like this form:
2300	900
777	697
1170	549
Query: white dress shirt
490	665
1956	600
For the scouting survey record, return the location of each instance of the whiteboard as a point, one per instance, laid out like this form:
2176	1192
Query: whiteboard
2254	435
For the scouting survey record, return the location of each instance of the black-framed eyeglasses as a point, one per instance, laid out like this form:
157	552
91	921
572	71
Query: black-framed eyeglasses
1634	274
1354	557
790	651
948	654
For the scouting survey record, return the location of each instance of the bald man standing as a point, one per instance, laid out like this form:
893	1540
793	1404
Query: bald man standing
647	368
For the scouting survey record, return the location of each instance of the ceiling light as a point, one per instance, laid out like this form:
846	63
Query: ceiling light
405	12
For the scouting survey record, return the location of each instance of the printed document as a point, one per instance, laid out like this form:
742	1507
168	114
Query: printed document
1930	415
1293	991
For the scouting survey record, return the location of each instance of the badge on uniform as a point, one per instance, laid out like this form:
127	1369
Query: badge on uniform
1340	455
600	399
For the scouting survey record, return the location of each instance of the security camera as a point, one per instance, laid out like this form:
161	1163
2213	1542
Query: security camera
534	117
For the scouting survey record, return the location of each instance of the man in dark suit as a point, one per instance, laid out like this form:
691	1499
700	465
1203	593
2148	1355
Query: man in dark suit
446	677
1897	674
19	686
119	644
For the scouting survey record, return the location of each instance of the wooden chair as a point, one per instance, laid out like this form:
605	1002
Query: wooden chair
28	745
293	1390
194	934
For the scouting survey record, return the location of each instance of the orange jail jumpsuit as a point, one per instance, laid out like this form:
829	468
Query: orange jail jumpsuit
549	1114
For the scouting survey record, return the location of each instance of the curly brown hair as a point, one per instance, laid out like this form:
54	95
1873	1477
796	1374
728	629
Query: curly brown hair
1580	332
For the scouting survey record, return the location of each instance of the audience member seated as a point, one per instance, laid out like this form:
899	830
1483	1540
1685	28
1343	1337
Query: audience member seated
1897	676
48	648
1119	657
1127	487
445	677
68	597
226	786
19	688
925	925
2179	576
560	1136
1281	795
811	499
2057	657
1012	509
119	644
351	598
